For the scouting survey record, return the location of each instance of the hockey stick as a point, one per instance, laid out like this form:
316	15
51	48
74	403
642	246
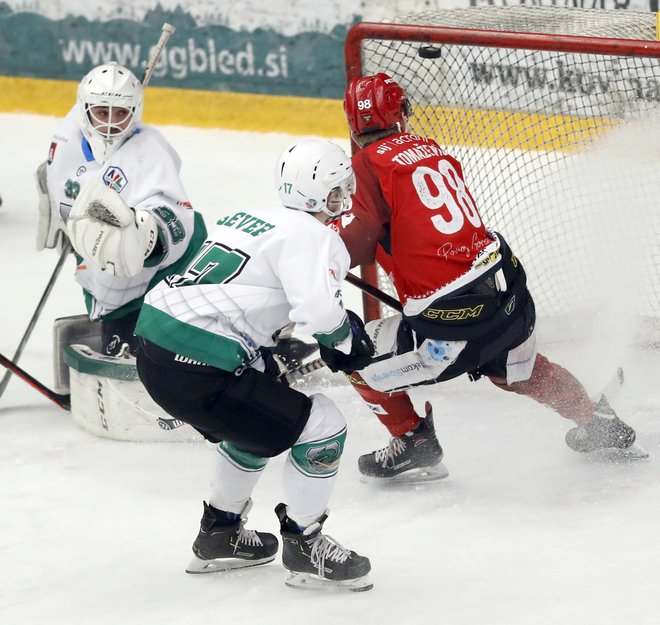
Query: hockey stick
292	375
63	401
295	374
374	292
167	32
66	248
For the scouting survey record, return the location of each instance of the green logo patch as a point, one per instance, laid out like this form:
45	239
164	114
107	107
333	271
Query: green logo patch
177	231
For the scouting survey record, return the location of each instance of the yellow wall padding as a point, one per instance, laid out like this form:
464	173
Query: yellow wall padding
182	107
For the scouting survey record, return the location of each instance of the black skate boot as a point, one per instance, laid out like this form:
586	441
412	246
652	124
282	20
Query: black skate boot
223	542
604	433
414	457
315	560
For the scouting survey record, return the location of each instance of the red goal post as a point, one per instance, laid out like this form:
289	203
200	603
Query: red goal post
527	99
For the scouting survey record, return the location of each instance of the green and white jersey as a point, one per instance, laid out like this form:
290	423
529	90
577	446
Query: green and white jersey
256	272
145	172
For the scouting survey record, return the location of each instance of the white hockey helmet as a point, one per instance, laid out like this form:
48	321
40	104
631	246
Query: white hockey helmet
114	86
312	170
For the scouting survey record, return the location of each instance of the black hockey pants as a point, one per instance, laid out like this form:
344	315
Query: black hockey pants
252	410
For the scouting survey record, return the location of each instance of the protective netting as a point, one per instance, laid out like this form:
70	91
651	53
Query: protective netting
560	150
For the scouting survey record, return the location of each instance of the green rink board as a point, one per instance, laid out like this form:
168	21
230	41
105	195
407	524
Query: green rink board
208	58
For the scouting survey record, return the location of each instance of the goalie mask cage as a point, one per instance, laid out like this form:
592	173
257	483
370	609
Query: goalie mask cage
553	114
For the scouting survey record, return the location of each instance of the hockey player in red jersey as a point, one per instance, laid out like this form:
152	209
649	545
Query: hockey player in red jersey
466	306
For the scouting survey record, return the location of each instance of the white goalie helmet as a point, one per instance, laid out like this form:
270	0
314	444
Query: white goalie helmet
118	94
315	175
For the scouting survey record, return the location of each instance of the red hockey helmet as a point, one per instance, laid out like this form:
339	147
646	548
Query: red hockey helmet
375	103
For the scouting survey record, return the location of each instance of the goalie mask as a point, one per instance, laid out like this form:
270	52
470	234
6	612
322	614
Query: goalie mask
373	103
315	175
109	108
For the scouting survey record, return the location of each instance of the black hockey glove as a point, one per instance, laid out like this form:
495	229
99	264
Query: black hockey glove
362	349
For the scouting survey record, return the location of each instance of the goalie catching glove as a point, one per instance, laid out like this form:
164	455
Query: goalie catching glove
107	232
362	349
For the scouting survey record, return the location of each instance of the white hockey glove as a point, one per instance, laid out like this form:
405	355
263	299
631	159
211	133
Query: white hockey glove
51	230
105	231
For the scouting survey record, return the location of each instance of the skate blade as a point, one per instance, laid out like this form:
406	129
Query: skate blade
308	581
199	566
630	454
414	476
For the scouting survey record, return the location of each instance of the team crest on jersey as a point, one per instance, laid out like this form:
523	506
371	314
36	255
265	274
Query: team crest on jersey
51	152
115	178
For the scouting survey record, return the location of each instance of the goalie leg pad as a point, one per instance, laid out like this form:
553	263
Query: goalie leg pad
68	331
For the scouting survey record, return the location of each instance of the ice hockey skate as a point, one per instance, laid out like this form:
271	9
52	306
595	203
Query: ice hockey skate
316	561
605	437
223	543
412	458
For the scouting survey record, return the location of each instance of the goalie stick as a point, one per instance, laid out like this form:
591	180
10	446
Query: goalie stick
166	32
66	248
291	375
63	401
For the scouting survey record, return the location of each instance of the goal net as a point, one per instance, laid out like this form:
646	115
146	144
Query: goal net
553	113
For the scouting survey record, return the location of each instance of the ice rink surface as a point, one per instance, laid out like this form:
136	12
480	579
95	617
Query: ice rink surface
522	532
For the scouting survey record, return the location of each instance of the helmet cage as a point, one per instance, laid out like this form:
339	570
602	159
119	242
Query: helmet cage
315	175
339	198
107	129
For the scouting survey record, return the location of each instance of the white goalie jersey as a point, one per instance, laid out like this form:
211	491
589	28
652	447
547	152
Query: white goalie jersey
144	171
256	272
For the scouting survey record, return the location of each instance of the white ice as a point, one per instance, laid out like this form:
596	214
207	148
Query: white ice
522	532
